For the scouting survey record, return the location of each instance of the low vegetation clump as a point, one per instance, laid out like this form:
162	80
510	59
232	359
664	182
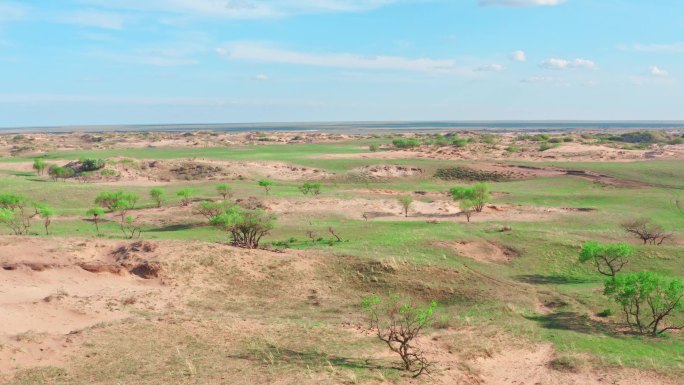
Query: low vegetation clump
245	226
406	143
465	173
310	188
398	324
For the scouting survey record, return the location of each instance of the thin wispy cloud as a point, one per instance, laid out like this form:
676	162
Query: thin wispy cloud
490	68
93	18
268	54
565	64
12	11
243	9
655	48
519	3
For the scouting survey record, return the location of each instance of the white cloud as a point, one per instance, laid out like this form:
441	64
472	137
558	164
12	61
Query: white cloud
261	78
564	64
264	53
244	9
658	72
519	3
660	48
490	68
519	55
550	80
92	18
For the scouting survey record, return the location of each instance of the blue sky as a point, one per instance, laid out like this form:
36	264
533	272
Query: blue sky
81	62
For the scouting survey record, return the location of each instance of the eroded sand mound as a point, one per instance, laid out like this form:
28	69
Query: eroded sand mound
483	251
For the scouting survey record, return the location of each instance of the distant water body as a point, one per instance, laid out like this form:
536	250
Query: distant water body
369	127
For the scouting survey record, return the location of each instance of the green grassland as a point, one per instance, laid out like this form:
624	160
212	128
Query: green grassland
546	266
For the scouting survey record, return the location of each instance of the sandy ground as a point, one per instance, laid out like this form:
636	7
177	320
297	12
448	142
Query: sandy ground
53	302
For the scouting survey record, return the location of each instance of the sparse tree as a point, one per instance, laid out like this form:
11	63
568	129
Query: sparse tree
647	231
647	300
112	200
331	230
225	191
185	195
209	209
313	188
15	213
246	227
398	324
131	228
39	165
97	213
406	201
46	213
266	184
467	208
158	196
478	193
608	259
373	148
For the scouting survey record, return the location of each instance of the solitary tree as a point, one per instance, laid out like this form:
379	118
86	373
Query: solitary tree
246	227
398	324
313	188
467	208
97	213
406	201
647	231
266	184
112	200
158	196
39	165
15	213
608	259
478	193
647	300
186	196
225	191
46	213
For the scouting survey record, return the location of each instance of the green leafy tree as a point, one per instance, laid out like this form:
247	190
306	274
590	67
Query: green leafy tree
647	300
310	188
467	208
112	200
266	184
406	201
478	193
46	213
158	196
186	196
58	172
90	164
40	165
246	227
15	213
398	324
225	191
97	213
608	259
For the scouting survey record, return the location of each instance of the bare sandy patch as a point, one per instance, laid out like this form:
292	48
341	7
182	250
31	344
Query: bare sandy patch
483	251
